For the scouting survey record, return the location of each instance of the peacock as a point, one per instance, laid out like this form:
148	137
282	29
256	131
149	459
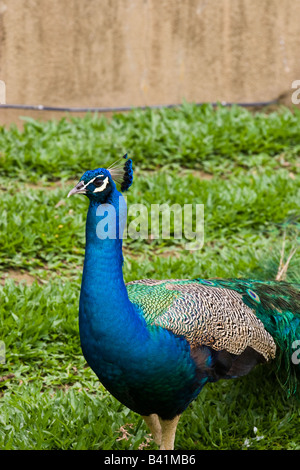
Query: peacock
154	344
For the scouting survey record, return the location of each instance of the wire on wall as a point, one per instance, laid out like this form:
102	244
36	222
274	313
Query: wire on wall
40	107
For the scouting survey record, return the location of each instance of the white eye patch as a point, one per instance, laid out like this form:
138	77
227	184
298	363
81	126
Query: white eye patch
105	183
86	184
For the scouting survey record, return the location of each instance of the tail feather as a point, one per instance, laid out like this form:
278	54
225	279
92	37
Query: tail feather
277	305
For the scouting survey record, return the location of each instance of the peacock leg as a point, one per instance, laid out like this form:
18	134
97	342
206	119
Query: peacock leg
168	428
153	424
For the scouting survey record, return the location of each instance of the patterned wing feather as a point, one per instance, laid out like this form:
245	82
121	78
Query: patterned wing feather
204	313
233	315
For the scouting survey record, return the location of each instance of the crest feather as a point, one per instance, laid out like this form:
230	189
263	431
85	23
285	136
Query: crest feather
122	173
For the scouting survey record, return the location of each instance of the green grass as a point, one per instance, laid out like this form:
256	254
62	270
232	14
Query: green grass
244	167
193	136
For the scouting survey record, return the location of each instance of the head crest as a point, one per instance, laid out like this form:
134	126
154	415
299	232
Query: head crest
122	173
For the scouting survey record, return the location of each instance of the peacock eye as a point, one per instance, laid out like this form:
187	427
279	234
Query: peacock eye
98	182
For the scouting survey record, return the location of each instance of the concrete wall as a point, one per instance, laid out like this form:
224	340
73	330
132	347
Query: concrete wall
144	52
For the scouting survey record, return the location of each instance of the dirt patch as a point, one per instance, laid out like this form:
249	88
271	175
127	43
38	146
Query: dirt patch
17	276
168	254
44	185
202	175
50	186
7	377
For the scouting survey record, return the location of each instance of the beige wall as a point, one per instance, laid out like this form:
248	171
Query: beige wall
144	52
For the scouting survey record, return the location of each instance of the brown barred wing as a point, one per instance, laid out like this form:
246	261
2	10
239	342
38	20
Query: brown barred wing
205	315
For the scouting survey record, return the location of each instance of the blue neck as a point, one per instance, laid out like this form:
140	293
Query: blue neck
103	254
106	313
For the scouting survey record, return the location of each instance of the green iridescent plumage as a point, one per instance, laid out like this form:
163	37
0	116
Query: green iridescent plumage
262	315
279	310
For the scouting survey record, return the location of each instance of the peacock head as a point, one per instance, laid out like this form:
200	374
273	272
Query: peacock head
98	184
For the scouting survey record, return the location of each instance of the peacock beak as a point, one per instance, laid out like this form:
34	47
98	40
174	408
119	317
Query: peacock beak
79	189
